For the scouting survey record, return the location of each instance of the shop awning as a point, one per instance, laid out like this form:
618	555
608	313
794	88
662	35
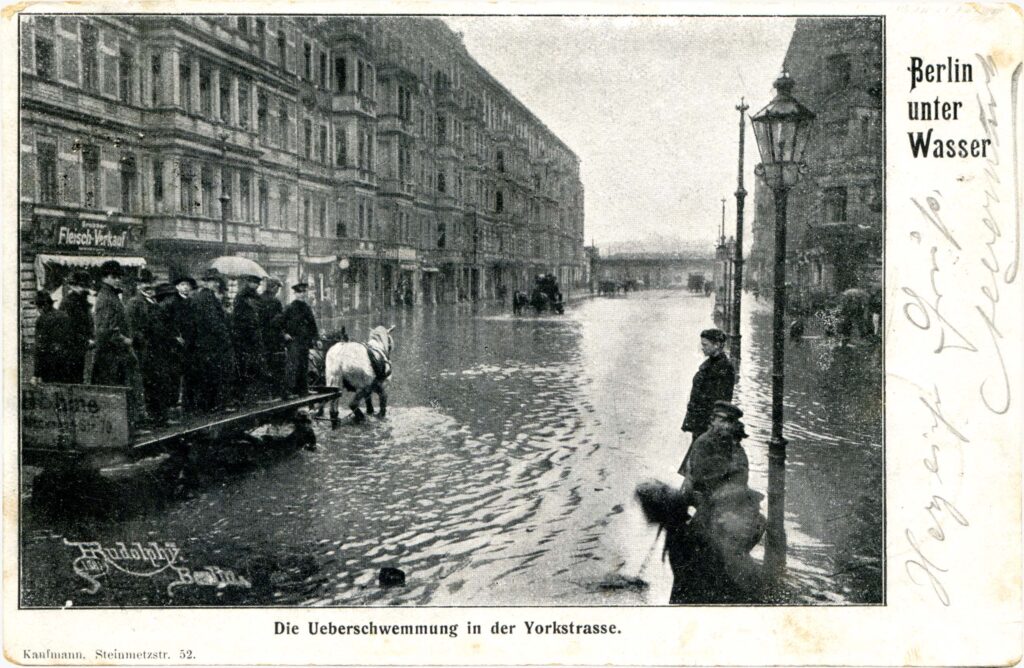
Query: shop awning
431	269
319	259
81	261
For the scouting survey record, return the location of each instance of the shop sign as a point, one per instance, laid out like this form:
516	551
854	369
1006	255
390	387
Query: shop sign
78	234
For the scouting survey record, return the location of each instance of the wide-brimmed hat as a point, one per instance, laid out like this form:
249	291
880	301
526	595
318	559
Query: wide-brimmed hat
185	279
79	278
211	274
301	286
726	410
714	335
276	282
111	268
145	276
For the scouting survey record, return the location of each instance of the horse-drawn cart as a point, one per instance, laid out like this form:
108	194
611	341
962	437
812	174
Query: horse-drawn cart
85	428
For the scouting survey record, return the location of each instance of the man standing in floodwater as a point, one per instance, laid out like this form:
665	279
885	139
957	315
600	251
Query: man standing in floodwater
713	382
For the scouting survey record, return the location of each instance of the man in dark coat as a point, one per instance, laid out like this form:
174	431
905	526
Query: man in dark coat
168	348
209	363
53	343
179	310
152	344
270	310
79	312
115	362
301	334
248	339
713	382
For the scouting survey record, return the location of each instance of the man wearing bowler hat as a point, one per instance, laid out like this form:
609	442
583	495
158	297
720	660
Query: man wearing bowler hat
151	343
300	334
79	312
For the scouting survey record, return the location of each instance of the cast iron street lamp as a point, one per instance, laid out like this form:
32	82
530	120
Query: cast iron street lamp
737	290
781	130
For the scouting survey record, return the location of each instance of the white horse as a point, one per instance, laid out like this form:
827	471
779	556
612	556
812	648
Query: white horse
363	368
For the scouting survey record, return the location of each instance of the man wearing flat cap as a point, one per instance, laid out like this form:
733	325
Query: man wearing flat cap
713	382
81	331
300	334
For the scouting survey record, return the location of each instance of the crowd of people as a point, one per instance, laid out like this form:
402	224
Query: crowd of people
709	547
181	347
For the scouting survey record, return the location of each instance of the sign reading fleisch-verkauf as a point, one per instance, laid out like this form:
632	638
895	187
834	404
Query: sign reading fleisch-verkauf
77	234
66	417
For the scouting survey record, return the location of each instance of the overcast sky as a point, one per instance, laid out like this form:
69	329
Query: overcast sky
648	105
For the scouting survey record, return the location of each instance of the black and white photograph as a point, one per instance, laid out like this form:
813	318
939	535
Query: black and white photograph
348	310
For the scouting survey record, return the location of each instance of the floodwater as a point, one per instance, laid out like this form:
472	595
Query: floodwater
503	474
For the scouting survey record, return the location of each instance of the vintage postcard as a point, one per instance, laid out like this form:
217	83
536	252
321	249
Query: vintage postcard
512	333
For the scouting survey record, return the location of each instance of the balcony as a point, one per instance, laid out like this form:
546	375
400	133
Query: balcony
392	123
394	186
353	103
355	175
278	239
204	231
177	121
50	95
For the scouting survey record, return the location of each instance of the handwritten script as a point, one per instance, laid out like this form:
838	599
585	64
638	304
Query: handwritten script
970	262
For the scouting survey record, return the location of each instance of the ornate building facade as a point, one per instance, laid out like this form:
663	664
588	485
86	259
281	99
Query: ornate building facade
835	213
372	156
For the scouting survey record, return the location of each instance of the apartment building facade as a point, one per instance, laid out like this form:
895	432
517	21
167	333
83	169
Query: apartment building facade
371	156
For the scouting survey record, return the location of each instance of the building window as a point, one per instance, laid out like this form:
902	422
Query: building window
307	136
340	74
261	114
835	205
323	70
441	186
499	202
46	165
185	84
243	105
307	61
91	172
369	219
205	94
838	71
157	83
158	181
323	219
361	217
282	49
264	204
305	215
126	79
322	146
340	229
442	239
500	161
283	123
442	129
261	30
127	184
282	207
340	149
243	197
44	58
360	77
225	98
185	188
243	25
90	57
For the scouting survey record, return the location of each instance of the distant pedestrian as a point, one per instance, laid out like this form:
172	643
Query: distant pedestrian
270	310
115	362
301	334
179	307
210	363
247	339
713	382
53	344
81	331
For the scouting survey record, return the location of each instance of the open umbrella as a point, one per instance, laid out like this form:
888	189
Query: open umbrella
234	266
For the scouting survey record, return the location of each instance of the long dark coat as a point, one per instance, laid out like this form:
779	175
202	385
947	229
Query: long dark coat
53	347
80	329
713	382
248	337
298	321
115	359
270	310
211	341
153	339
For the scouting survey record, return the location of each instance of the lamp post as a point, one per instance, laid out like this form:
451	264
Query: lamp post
737	289
225	199
781	130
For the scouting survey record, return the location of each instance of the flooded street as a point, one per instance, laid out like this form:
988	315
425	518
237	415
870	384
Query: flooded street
504	473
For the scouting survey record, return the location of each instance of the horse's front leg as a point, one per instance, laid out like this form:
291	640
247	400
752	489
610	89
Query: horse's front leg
369	402
334	413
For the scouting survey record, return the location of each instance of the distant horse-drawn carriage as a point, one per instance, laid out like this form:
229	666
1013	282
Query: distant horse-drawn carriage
544	297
